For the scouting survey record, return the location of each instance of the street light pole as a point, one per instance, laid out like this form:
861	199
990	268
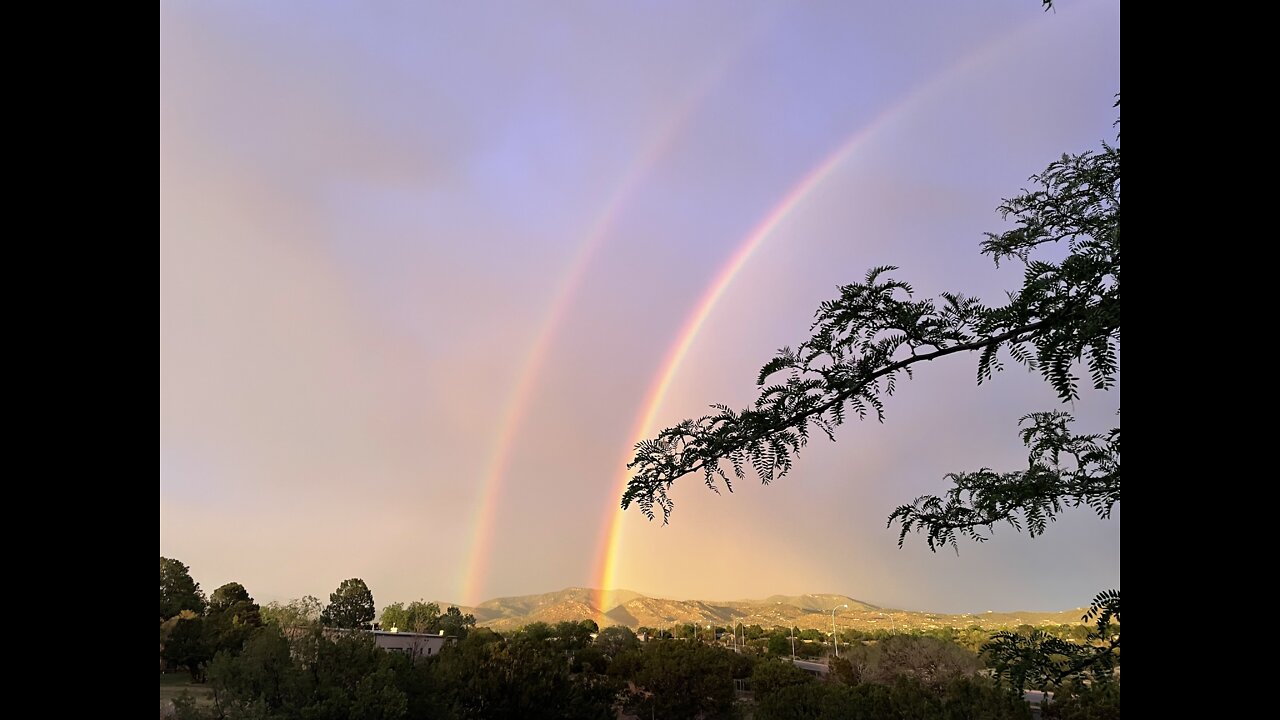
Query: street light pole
793	644
836	638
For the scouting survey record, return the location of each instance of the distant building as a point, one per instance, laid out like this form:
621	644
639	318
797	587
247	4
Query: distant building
414	645
1037	699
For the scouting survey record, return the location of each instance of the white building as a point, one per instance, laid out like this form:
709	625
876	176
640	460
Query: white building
414	645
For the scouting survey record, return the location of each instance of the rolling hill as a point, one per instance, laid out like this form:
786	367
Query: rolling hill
636	610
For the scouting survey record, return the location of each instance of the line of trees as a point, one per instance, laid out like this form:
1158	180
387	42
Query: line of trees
569	670
277	662
195	629
810	643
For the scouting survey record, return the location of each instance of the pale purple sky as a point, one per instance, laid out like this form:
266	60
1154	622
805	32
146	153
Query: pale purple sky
369	211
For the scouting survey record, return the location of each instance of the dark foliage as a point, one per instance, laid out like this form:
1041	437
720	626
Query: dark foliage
1066	313
968	698
350	606
1064	318
1040	659
178	591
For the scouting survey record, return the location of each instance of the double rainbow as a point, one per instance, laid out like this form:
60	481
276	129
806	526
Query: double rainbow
606	562
476	569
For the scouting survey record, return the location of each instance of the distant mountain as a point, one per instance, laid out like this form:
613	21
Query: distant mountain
816	603
563	610
653	612
527	604
523	609
626	607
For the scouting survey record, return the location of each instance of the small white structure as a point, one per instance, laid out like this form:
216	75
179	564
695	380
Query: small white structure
415	645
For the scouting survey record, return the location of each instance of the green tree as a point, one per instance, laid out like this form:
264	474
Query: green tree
934	663
303	612
234	602
178	591
780	645
684	680
978	698
455	624
773	675
232	618
1077	701
350	606
342	677
1065	317
968	698
422	616
842	670
615	640
418	617
263	677
188	646
376	697
573	635
229	595
1039	658
487	676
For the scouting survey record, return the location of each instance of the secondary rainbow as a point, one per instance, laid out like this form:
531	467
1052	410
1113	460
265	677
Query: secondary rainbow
518	402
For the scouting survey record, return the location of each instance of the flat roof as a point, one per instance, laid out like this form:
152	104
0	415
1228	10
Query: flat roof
410	634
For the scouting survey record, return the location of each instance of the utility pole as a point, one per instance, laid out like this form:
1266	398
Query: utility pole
836	638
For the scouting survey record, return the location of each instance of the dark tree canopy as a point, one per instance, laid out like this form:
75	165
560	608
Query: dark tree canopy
233	617
1064	321
1066	313
615	640
683	680
228	596
350	606
188	645
178	591
456	624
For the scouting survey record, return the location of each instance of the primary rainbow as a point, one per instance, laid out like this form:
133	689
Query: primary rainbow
611	535
689	332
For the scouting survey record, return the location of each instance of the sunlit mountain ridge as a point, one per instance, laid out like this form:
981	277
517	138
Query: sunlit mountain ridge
635	610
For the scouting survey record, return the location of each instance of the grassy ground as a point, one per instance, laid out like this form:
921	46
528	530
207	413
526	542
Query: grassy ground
174	684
